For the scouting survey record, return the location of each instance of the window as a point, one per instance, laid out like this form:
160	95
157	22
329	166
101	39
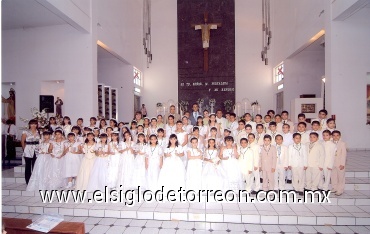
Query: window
279	73
137	77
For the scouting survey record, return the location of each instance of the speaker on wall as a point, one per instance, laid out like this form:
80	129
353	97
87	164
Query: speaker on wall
47	103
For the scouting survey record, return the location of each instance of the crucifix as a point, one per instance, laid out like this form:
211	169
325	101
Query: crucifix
206	33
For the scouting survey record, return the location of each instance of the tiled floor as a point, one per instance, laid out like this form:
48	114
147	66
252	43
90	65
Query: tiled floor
352	210
113	225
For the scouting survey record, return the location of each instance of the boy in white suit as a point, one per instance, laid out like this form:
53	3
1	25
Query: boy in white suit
298	162
248	120
256	149
273	132
281	164
246	158
285	117
316	128
259	134
315	162
322	119
305	135
330	149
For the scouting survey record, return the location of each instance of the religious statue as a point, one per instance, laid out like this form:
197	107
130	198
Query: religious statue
58	107
206	34
10	110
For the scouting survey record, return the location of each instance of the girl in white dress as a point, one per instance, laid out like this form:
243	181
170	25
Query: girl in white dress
227	133
162	142
109	131
170	126
213	124
139	177
56	176
140	129
121	132
213	175
66	125
133	128
188	128
146	124
87	162
102	126
230	164
153	162
78	137
114	148
203	130
153	127
172	174
113	124
96	135
194	166
206	117
182	138
52	124
160	123
72	159
126	164
195	134
99	172
39	178
213	135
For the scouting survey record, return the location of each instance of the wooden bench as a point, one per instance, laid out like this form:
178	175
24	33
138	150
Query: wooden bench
13	225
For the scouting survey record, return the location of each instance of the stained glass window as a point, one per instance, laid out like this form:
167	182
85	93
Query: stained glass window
279	73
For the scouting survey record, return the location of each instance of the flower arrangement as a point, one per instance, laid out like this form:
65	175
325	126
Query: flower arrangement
200	101
40	116
228	105
184	105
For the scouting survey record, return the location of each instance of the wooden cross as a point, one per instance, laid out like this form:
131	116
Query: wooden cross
206	34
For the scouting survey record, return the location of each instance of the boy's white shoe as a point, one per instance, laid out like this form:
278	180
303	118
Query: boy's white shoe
69	185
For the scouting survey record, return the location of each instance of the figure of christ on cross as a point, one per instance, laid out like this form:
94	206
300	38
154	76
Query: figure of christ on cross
206	34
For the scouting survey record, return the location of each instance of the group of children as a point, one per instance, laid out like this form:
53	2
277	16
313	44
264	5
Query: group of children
216	153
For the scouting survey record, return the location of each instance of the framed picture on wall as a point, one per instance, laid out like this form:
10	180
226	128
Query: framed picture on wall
308	108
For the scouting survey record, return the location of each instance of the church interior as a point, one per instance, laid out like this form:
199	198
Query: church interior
109	59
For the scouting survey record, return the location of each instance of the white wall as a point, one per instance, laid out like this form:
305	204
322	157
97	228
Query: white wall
33	55
347	64
161	78
121	29
253	77
294	23
303	75
113	72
